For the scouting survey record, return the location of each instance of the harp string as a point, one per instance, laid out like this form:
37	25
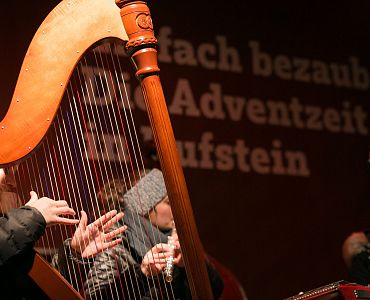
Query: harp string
82	174
108	103
134	163
129	182
59	187
121	129
71	194
54	188
54	191
37	186
76	157
58	193
105	147
79	156
114	93
78	205
101	135
30	169
102	169
171	292
134	138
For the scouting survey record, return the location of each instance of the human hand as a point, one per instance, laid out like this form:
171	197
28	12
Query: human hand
92	239
7	176
177	256
52	209
154	260
2	175
353	245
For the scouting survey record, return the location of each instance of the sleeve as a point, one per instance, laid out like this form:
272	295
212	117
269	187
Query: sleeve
105	271
359	272
19	231
71	265
131	284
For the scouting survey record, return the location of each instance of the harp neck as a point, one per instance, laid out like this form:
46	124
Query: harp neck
47	67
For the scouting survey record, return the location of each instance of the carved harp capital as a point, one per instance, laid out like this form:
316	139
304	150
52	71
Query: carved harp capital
142	44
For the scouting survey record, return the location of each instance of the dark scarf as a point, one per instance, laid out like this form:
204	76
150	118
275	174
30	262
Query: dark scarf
142	235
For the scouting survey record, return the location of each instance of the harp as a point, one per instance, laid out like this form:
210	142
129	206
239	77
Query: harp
39	111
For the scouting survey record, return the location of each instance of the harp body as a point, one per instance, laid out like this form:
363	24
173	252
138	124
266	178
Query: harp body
62	39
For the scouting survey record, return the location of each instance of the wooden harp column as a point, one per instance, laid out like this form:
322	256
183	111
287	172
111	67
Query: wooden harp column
142	49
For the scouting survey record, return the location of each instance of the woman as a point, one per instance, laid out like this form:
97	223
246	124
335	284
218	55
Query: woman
135	266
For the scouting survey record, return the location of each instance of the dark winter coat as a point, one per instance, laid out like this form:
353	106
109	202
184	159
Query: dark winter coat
20	229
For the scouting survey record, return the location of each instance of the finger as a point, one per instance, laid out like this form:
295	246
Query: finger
2	175
114	233
111	244
93	231
153	260
65	211
160	267
100	222
157	261
160	261
162	255
83	221
177	259
166	254
33	195
33	198
160	248
112	221
66	221
61	203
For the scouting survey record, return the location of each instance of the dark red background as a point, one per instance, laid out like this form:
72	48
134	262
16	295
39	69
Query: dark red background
278	234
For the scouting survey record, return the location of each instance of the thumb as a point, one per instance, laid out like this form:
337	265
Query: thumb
177	258
34	197
83	221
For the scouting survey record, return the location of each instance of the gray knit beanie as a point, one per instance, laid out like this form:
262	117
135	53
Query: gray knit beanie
146	193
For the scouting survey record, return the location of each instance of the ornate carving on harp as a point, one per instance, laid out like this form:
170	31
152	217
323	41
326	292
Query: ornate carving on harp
36	110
